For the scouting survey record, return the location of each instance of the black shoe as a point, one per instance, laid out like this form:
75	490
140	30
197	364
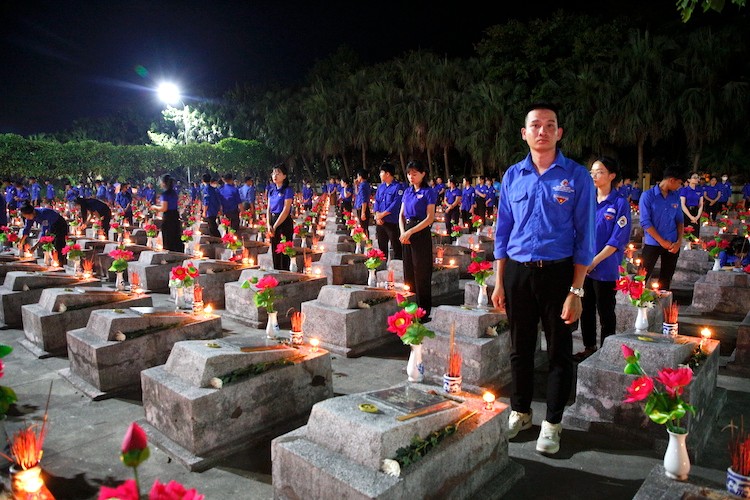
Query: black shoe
580	356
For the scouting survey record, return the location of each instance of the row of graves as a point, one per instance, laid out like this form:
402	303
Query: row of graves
440	433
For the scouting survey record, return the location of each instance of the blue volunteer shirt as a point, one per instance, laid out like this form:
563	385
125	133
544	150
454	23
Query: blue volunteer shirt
467	198
23	194
210	200
547	217
746	192
171	197
230	198
635	194
247	193
725	188
101	192
612	229
415	202
124	199
711	192
730	260
277	196
661	213
625	190
438	187
451	195
10	194
36	190
71	194
491	197
50	191
363	194
345	193
307	194
149	194
331	187
692	196
388	199
44	217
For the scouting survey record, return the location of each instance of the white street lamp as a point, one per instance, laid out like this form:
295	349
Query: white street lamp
169	94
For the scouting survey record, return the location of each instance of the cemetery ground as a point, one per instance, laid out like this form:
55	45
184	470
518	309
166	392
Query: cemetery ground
84	437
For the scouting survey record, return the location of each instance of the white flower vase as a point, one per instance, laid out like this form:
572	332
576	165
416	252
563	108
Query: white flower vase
260	236
641	320
150	242
414	367
717	265
76	266
687	246
189	247
179	298
676	459
293	264
47	258
482	299
737	484
358	248
120	282
456	243
372	280
303	242
479	231
272	327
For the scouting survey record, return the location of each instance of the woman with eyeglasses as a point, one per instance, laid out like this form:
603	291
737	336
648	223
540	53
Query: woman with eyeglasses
691	199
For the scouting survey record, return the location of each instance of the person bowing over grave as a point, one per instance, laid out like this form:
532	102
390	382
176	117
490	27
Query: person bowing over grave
91	206
279	214
50	222
171	229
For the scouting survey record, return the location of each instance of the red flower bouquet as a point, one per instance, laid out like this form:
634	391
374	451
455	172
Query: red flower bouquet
480	269
375	258
635	288
265	295
121	259
286	248
406	323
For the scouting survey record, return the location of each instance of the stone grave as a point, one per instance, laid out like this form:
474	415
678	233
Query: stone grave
214	274
459	256
154	269
350	319
483	340
626	314
741	362
256	251
292	291
265	260
208	246
335	242
12	257
21	288
108	355
444	281
341	268
481	243
691	266
60	310
340	452
601	388
725	291
211	400
104	261
28	267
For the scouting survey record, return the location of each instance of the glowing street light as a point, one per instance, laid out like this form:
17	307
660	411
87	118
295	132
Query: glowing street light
169	94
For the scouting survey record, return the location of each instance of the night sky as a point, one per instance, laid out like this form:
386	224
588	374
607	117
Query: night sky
64	60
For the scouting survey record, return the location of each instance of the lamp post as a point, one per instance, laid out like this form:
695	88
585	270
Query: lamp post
169	94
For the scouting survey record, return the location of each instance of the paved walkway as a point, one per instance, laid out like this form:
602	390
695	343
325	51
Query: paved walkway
82	447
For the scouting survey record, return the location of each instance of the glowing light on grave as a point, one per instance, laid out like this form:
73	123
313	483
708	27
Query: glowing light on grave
208	310
452	262
489	401
314	343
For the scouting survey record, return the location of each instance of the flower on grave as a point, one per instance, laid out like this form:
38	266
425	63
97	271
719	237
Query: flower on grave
265	295
746	269
635	288
192	219
151	230
406	323
286	248
187	235
117	227
716	245
359	235
7	395
375	258
126	491
7	235
225	223
74	223
72	250
134	449
476	221
480	269
183	276
456	231
351	223
121	258
172	491
688	234
231	240
301	230
663	406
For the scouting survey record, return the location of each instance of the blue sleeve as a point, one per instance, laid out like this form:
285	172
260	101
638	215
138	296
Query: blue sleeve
289	194
504	224
723	258
645	208
27	227
621	234
584	220
679	218
431	197
395	205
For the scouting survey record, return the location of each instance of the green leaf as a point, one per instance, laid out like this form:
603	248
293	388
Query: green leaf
245	284
5	350
411	308
632	369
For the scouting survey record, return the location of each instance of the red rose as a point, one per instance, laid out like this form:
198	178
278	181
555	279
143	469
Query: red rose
627	352
639	389
636	289
192	271
376	254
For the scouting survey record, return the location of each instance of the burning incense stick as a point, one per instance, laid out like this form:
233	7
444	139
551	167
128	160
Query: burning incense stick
454	357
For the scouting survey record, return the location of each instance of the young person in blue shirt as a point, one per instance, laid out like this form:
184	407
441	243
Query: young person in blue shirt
362	202
544	245
124	200
387	208
746	194
101	191
491	198
415	219
211	205
22	194
171	229
50	222
36	191
662	222
332	188
439	189
307	195
149	193
712	195
247	195
111	193
231	204
736	254
725	188
480	200
346	195
467	202
691	202
279	214
612	236
452	205
49	195
90	206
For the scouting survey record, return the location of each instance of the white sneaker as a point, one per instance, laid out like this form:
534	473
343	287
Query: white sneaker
518	422
549	438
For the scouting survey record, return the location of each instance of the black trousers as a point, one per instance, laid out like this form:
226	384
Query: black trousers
213	226
366	222
286	229
712	210
466	217
59	229
695	225
451	219
481	209
650	255
346	204
234	219
599	296
418	266
531	295
129	216
389	231
171	231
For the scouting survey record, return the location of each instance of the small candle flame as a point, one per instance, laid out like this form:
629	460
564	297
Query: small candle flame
452	262
706	333
489	400
314	343
208	310
655	285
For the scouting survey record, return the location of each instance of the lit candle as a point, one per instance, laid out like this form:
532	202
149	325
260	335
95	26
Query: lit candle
208	310
198	254
452	262
317	271
55	263
705	335
655	286
314	343
197	233
102	237
406	287
126	241
638	262
489	401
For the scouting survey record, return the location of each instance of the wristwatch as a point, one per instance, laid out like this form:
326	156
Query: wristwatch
577	291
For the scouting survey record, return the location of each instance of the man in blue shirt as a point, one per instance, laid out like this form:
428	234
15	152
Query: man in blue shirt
712	197
725	188
22	194
211	205
387	208
635	193
50	192
231	204
10	194
124	200
247	195
544	244
307	195
626	189
362	202
149	193
36	191
439	189
332	188
662	223
467	202
101	191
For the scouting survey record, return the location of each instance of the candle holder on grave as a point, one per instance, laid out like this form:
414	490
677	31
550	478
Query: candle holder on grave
197	299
